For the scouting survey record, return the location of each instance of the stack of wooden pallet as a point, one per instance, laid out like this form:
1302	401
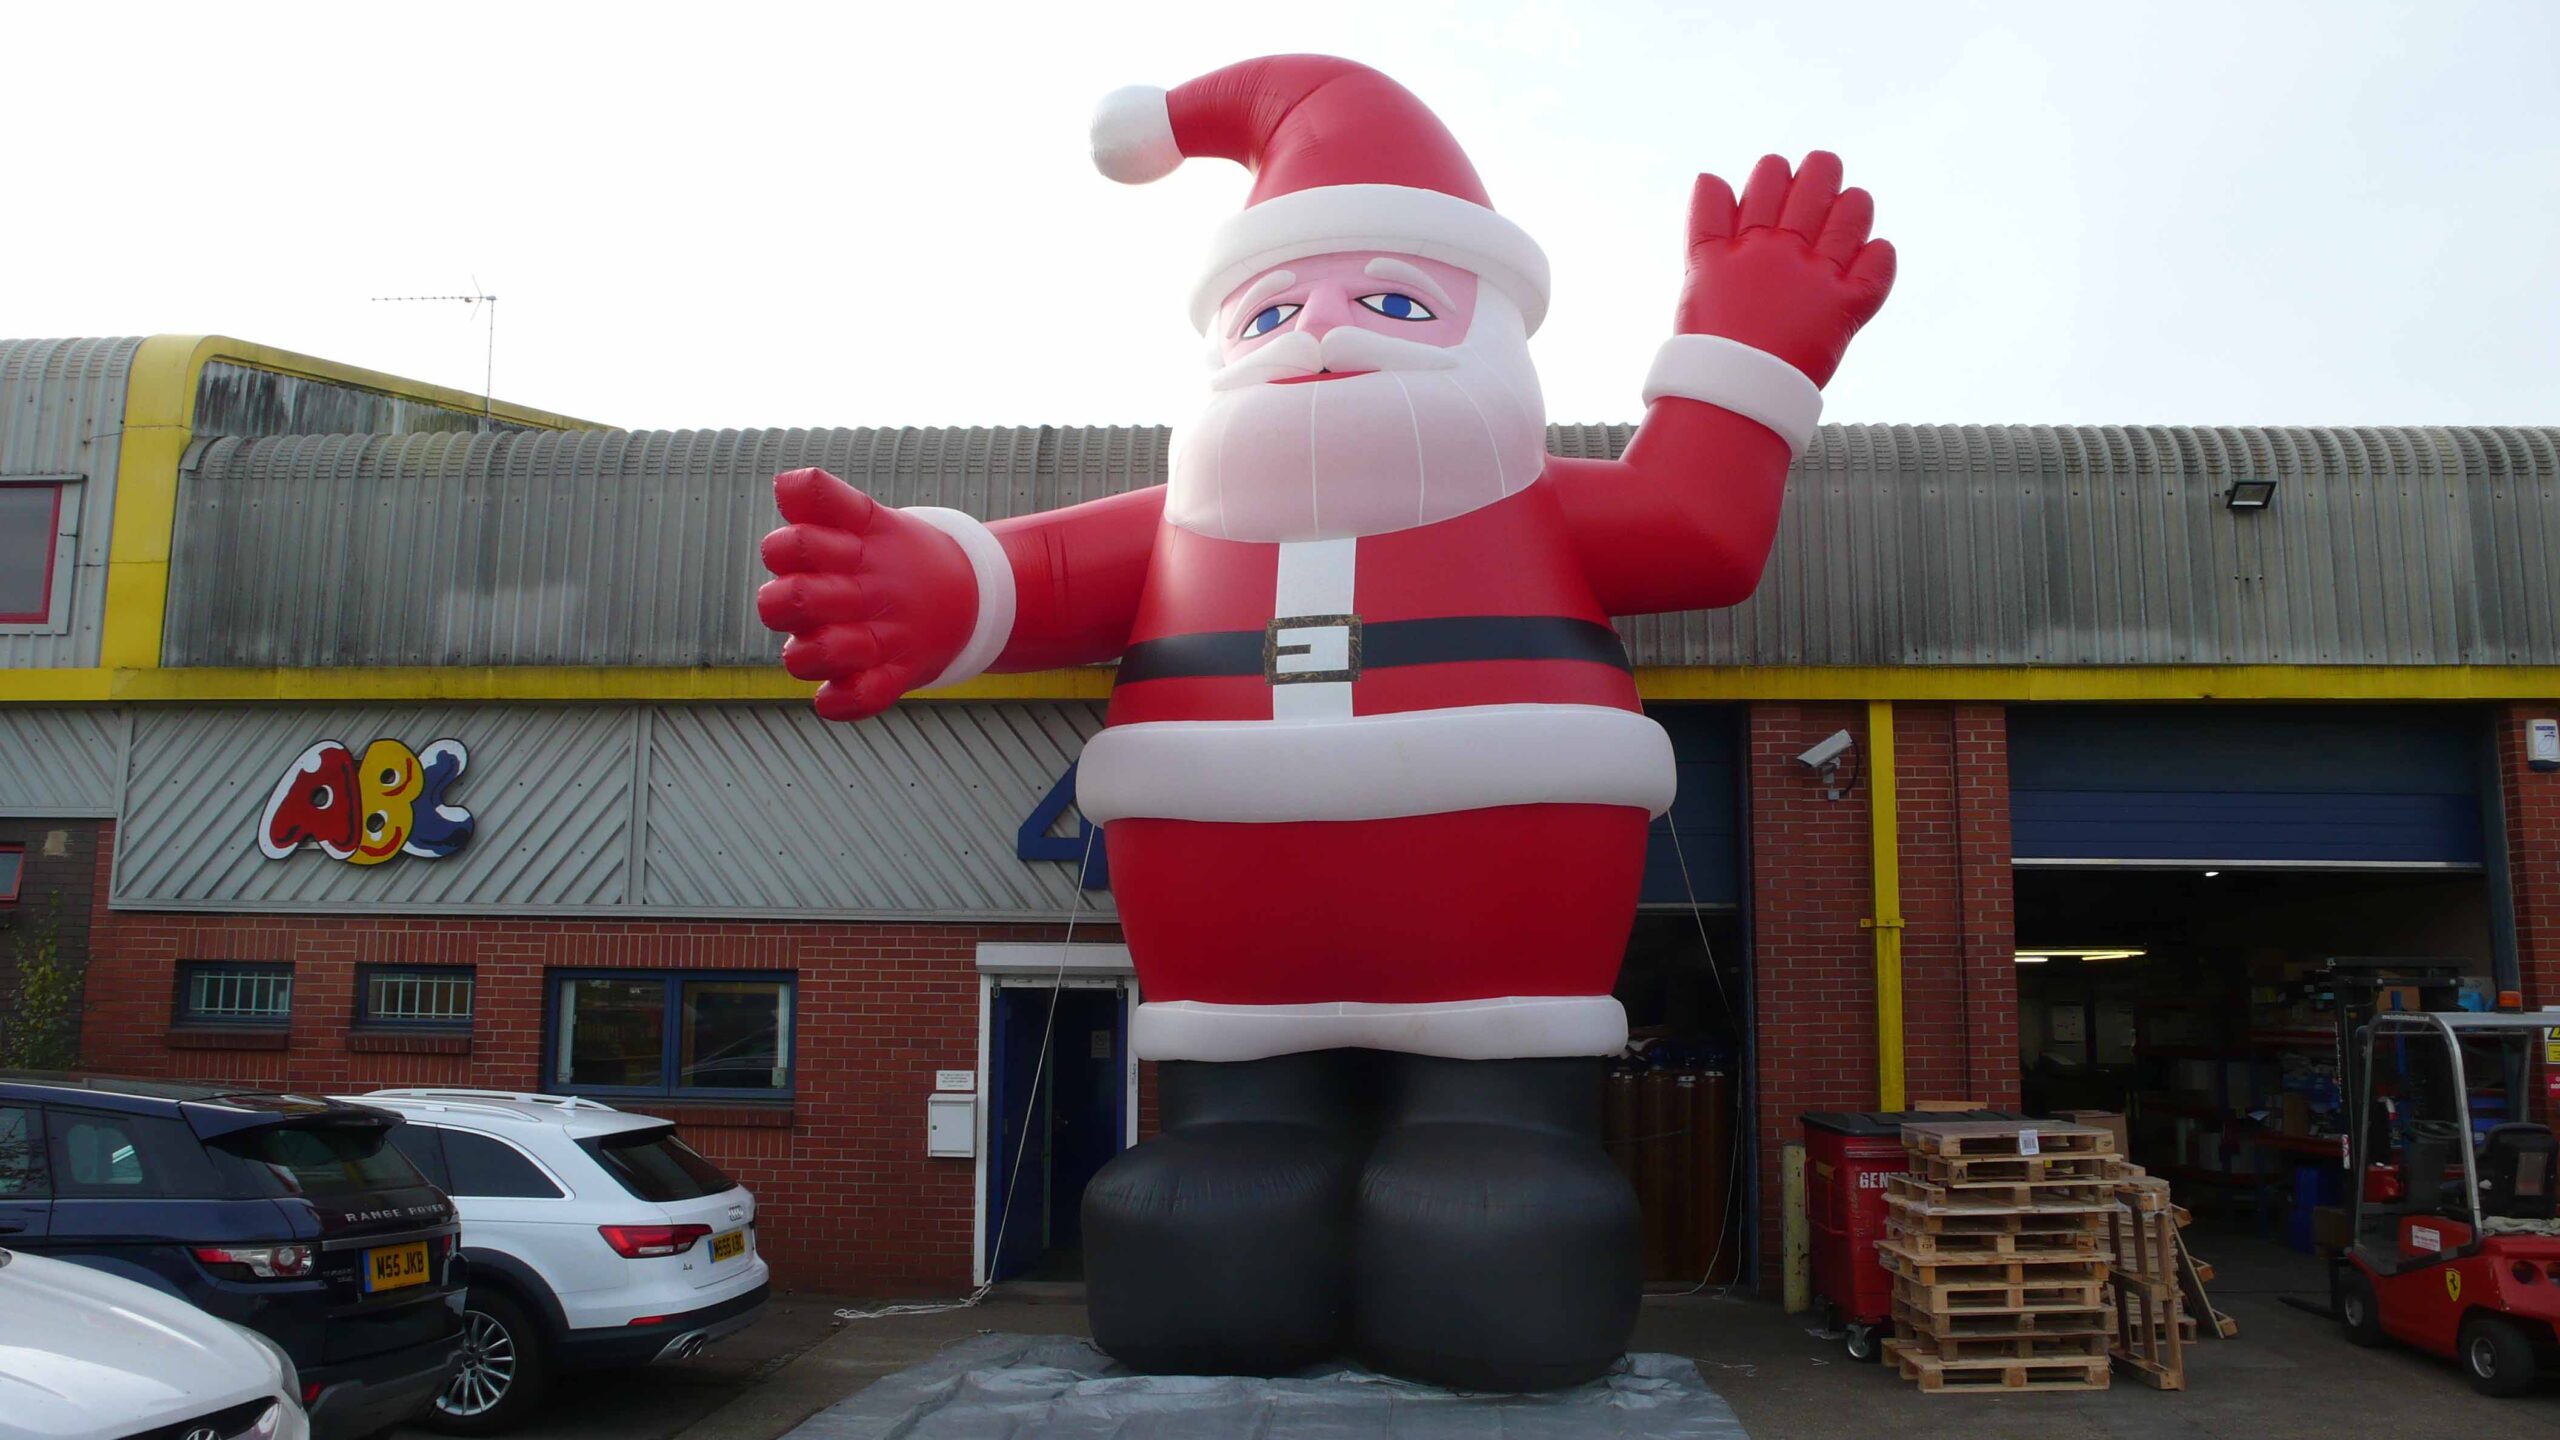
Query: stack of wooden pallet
1998	1242
2152	1327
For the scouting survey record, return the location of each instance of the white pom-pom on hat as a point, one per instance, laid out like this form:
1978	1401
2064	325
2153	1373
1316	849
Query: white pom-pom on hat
1133	136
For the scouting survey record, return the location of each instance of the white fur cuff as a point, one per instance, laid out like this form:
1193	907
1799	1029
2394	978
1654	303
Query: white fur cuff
1751	383
994	573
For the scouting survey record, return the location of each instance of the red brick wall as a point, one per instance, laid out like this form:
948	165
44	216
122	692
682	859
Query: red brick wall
1812	967
1813	962
848	1201
61	870
2532	803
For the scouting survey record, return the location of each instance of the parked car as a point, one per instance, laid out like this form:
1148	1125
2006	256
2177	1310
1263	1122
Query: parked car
291	1215
595	1238
87	1356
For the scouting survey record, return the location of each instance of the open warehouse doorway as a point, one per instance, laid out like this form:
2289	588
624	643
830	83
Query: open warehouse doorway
2200	893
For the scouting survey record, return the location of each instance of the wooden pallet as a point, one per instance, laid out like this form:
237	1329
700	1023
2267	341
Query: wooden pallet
1924	1216
2015	1268
2038	1346
2151	1334
2081	1198
2085	1244
1968	1170
1968	1138
2096	1320
1938	1376
1993	1297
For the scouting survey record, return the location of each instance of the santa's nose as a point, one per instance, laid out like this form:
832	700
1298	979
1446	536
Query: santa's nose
1326	306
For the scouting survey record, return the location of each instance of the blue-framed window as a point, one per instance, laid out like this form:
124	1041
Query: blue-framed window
231	993
710	1033
414	997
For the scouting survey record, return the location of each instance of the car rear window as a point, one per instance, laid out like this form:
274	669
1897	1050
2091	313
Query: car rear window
656	1166
326	1159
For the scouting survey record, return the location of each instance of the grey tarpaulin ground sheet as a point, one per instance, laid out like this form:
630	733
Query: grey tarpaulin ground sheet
1040	1385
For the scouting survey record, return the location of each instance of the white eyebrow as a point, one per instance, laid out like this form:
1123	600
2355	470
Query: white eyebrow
1259	291
1387	267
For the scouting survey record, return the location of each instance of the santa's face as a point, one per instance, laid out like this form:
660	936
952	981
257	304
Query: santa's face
1358	393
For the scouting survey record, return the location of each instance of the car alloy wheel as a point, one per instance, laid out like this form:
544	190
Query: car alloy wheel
488	1367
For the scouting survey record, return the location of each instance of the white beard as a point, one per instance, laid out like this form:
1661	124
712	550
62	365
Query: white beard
1425	438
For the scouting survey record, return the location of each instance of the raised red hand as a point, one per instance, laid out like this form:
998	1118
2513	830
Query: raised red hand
876	602
1789	269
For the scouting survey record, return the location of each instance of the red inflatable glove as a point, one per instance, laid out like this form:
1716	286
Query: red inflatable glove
1789	269
876	602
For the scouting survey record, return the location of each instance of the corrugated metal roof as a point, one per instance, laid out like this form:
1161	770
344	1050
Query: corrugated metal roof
62	413
235	399
761	810
1902	544
60	760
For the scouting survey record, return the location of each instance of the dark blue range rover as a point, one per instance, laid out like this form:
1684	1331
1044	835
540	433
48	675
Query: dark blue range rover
286	1213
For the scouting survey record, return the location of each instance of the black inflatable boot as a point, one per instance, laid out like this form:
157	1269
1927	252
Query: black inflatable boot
1223	1245
1497	1249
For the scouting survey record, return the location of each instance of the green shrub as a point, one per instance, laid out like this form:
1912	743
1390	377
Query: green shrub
42	1030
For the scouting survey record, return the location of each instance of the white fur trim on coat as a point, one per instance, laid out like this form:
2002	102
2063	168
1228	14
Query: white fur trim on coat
1503	1028
1133	136
994	625
1397	218
1375	767
1751	383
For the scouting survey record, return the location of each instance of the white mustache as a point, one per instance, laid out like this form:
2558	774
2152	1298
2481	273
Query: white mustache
1346	347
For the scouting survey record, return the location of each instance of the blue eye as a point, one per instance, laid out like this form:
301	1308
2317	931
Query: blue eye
1398	307
1269	320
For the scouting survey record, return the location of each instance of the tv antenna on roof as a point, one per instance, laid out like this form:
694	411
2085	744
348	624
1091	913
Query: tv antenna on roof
489	371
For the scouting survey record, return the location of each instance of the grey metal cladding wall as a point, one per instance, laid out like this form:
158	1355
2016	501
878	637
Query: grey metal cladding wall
766	808
605	547
1994	545
60	760
233	399
728	810
549	789
62	413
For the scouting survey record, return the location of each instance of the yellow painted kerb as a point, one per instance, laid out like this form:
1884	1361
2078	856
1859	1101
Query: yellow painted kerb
159	421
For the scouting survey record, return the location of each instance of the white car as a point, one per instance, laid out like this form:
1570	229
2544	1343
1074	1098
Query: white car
595	1238
85	1355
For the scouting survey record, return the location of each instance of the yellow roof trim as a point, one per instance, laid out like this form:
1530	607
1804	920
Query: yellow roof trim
630	684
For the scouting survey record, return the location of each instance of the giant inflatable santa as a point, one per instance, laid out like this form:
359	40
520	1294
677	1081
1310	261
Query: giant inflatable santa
1375	781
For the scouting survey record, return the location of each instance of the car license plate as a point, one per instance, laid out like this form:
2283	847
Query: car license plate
394	1266
729	1246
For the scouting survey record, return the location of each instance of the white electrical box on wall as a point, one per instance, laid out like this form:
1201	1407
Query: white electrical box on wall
2542	744
951	1126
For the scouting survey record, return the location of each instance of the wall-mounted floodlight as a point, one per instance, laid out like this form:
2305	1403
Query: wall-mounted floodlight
2249	495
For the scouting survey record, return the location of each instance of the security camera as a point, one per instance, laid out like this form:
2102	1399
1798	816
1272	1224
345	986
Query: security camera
1827	752
1824	760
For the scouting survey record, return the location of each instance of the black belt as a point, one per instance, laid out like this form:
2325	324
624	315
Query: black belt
1285	652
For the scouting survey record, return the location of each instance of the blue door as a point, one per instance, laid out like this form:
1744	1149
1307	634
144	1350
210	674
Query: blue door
2279	786
1058	1113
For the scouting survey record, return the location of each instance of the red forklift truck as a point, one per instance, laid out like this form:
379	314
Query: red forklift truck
2456	1244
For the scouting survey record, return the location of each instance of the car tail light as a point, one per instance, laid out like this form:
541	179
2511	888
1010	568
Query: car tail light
649	1320
261	1262
310	1393
648	1242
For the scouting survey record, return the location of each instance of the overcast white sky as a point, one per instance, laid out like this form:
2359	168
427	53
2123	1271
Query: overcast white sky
748	214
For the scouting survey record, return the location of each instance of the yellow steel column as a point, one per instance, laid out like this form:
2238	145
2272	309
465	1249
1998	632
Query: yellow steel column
1886	847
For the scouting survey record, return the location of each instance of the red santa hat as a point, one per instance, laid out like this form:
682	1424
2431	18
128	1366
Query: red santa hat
1343	158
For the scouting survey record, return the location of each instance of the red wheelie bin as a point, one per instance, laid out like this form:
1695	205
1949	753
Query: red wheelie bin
1847	1158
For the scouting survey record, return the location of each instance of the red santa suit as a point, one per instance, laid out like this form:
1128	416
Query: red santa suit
1388	789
